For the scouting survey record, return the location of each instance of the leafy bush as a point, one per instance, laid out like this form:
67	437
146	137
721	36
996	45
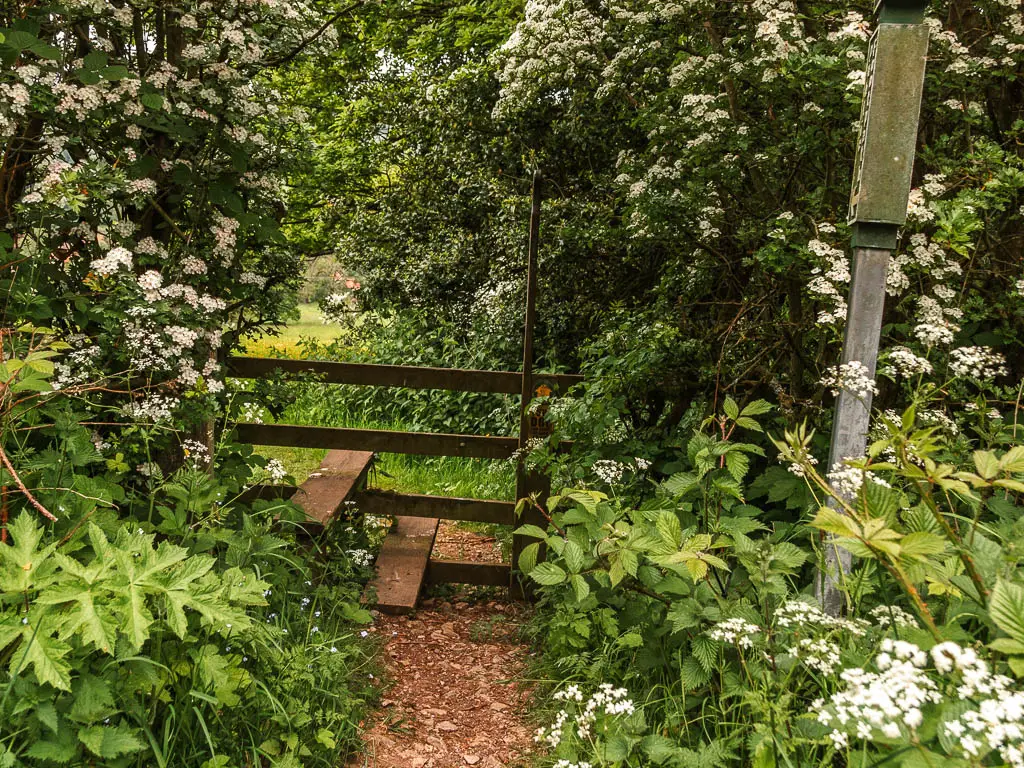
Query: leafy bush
699	606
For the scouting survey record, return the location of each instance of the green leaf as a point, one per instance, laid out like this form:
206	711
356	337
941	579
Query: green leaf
731	409
922	544
62	748
548	574
93	700
629	561
705	650
1006	608
574	557
681	483
528	557
631	640
151	100
22	561
986	463
669	528
533	531
831	521
1008	646
738	464
108	742
21	40
580	587
756	408
46	713
46	655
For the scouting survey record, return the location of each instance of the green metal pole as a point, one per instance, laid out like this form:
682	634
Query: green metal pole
878	207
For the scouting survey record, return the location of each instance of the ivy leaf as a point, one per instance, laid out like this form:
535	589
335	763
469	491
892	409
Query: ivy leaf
548	574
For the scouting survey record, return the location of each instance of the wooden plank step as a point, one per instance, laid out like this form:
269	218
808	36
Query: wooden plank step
376	502
402	564
325	492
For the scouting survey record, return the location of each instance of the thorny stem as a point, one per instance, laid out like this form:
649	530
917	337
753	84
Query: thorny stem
21	486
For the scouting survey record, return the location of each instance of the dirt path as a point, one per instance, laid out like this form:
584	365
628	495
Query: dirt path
454	699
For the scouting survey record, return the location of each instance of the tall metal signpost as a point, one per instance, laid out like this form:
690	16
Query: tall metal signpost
878	207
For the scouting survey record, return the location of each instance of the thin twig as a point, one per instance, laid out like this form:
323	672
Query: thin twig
21	486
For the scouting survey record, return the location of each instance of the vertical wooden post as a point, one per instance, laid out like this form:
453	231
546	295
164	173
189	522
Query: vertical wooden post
529	483
883	172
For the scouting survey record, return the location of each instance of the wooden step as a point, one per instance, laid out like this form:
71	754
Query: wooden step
402	564
341	474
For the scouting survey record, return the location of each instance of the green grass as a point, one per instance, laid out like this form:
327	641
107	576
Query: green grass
310	324
437	476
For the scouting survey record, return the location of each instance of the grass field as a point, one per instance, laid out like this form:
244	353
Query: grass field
310	324
443	476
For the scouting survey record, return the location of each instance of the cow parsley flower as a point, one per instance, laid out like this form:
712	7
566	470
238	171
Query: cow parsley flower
977	362
905	364
853	377
738	632
608	471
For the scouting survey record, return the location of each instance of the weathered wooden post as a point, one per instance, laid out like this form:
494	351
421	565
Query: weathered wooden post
529	482
878	207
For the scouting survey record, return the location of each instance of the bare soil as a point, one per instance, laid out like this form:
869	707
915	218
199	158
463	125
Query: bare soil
454	697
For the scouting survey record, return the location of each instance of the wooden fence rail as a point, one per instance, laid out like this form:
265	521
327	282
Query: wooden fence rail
366	374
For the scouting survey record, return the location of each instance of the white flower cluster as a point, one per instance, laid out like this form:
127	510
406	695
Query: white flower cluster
738	632
77	367
115	260
884	701
608	471
892	615
820	655
360	557
935	325
152	408
853	377
275	470
796	614
894	700
905	364
977	362
827	283
845	480
606	701
195	452
557	42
